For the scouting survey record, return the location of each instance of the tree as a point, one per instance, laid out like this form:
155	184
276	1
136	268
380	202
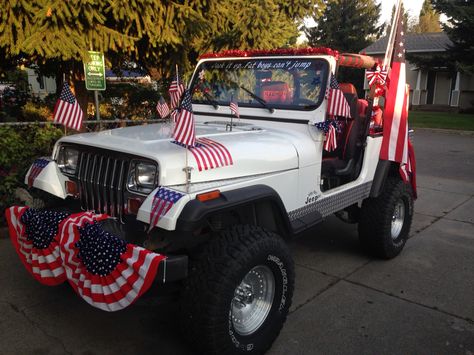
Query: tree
407	21
428	20
348	26
155	35
459	27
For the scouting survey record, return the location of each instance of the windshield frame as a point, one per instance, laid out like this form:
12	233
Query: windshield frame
326	67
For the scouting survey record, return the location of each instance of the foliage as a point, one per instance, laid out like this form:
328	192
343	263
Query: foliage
346	25
19	146
408	22
443	120
459	27
36	111
428	20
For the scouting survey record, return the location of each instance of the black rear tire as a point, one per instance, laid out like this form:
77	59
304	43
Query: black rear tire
378	232
209	292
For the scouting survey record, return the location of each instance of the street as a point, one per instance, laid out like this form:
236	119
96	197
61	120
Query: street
421	302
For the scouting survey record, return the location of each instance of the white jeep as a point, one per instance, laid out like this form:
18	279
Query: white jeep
262	179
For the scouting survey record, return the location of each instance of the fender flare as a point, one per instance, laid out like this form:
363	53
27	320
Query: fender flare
381	173
195	212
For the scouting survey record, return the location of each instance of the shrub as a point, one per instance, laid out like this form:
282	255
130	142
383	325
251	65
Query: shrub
19	146
33	112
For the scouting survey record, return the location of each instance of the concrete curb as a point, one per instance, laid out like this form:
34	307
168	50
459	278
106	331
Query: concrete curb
443	130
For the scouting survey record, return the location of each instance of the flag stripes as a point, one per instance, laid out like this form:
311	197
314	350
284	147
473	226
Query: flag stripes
210	154
184	131
162	108
67	110
162	202
36	168
337	103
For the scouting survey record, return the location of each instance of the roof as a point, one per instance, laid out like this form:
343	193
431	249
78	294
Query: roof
414	43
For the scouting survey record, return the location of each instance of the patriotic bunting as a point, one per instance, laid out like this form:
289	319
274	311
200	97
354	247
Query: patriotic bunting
36	168
67	110
377	76
34	236
104	270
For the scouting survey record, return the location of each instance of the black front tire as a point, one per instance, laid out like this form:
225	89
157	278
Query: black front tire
377	233
209	291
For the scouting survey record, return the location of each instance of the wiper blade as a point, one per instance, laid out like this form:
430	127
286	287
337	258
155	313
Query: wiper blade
259	99
210	100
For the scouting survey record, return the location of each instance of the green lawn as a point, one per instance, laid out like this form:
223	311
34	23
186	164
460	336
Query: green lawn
446	120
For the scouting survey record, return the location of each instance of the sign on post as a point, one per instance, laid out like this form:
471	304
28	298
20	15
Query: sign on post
94	71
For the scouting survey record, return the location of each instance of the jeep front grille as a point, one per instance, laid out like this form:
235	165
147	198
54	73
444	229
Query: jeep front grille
102	183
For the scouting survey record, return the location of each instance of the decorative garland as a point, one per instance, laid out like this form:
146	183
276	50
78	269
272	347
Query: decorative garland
272	52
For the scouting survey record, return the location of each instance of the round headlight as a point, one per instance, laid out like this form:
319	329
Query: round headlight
67	160
142	177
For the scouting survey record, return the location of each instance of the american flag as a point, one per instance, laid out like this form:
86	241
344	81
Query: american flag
175	91
162	108
337	103
377	76
234	107
67	110
104	270
210	154
34	235
395	118
36	168
330	143
162	202
184	131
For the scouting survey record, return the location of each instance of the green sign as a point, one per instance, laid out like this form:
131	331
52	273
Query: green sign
95	71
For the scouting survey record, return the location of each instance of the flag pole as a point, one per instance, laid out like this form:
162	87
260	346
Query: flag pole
391	38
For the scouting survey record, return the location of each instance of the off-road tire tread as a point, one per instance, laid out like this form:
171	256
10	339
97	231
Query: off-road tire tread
374	224
209	279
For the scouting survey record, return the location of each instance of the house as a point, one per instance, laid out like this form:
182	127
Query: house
437	86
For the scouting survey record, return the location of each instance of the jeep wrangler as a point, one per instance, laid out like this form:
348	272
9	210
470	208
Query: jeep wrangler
251	183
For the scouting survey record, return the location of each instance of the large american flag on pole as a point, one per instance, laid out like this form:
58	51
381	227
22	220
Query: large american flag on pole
395	118
67	110
104	270
162	202
337	103
184	131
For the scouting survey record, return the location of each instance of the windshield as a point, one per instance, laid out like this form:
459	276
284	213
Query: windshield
296	84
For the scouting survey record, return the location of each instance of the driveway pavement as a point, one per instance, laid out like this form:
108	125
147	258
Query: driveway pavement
421	302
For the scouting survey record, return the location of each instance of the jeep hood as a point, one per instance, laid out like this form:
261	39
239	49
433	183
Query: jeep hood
253	150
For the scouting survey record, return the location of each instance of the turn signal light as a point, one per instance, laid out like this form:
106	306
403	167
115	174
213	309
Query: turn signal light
71	188
134	205
211	195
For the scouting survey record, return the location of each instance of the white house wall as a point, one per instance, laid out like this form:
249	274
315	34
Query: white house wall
49	84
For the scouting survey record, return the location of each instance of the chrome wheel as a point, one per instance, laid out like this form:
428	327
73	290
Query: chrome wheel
398	219
253	300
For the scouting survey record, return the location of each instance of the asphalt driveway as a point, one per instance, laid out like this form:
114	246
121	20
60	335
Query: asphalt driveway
422	302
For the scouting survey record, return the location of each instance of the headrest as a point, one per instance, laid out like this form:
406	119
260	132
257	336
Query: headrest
362	107
275	91
348	88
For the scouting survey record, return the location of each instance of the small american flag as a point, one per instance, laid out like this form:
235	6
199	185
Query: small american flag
36	168
34	234
210	154
104	270
337	103
331	142
67	110
184	131
175	91
162	108
234	107
163	200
